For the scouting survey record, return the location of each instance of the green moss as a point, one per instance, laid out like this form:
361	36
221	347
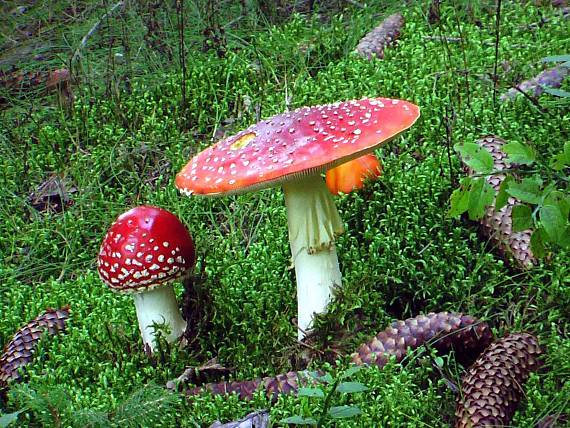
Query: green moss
400	256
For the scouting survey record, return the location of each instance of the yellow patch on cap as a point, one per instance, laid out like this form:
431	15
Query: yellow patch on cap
242	141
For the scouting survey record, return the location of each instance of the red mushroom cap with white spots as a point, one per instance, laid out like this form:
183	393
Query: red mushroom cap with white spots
144	248
305	141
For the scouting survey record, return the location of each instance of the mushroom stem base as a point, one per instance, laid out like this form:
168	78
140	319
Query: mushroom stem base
317	275
159	306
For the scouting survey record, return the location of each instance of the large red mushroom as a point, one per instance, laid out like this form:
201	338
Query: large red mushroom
292	150
144	250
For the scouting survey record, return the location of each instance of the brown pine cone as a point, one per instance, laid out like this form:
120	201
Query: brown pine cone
281	384
372	45
443	330
551	77
498	224
20	350
465	334
492	387
17	81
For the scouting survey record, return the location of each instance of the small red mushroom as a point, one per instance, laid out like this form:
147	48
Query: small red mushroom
144	250
293	149
350	176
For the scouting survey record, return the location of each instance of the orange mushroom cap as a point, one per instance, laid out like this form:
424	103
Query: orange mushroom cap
350	176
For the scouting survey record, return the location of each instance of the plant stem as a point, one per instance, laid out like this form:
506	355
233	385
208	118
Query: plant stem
497	39
181	52
328	402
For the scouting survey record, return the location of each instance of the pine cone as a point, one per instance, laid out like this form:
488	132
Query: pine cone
492	387
551	77
498	224
444	330
20	350
281	384
373	44
17	80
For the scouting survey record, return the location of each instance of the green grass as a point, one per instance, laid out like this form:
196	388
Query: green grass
401	254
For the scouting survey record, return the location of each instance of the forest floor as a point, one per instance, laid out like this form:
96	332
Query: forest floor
137	107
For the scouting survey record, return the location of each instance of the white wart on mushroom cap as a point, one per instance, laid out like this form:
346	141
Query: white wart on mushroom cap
144	250
291	150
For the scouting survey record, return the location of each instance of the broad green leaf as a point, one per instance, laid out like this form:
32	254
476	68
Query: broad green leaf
520	153
338	412
537	243
559	162
326	378
553	222
556	92
562	160
314	374
476	157
556	58
502	196
311	392
559	199
6	419
350	371
526	191
350	387
459	201
522	218
565	239
299	420
481	195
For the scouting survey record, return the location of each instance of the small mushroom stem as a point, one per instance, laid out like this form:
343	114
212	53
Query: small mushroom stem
158	306
314	222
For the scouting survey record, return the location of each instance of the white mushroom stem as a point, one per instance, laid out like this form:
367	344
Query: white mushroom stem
314	223
158	306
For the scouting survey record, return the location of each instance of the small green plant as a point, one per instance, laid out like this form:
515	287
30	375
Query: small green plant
49	406
53	407
545	204
161	330
144	407
329	390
